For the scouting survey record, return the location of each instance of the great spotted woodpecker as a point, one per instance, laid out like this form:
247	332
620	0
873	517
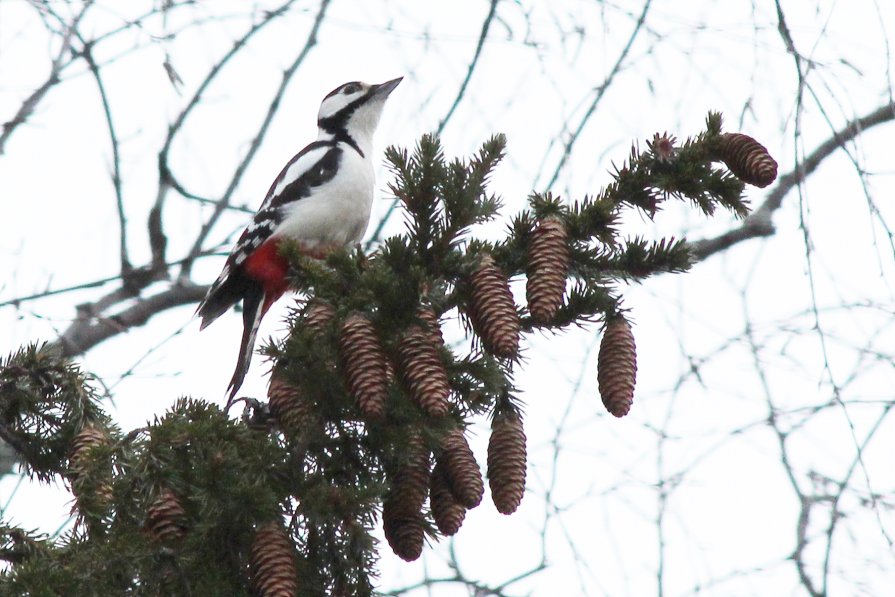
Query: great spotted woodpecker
321	199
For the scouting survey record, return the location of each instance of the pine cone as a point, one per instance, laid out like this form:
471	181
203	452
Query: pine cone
402	520
423	372
410	484
317	314
427	315
463	474
446	510
617	367
506	462
166	518
104	494
88	493
492	311
88	438
404	531
748	159
287	404
273	562
548	264
364	364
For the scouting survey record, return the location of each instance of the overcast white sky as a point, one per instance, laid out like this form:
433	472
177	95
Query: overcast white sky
731	514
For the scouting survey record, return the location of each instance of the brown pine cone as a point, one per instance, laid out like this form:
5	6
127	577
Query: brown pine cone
89	493
287	403
447	512
427	315
410	483
273	562
402	520
506	462
548	264
617	367
748	159
423	372
88	438
166	518
492	311
317	314
463	474
364	364
404	531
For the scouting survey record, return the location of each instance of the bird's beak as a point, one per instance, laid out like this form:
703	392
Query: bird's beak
383	89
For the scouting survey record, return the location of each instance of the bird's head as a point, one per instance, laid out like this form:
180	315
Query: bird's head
354	108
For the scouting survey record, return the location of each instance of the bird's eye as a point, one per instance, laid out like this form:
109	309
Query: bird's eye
351	88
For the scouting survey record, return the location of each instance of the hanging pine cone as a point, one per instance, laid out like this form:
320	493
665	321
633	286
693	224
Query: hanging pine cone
548	264
404	531
463	474
423	372
88	438
104	494
506	462
364	365
273	562
427	315
492	310
166	518
617	367
748	159
410	483
317	314
90	492
402	520
287	403
446	510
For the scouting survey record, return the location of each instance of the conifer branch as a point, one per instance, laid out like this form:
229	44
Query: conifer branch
367	406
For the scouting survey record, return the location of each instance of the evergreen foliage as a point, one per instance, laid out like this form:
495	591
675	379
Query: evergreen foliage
198	504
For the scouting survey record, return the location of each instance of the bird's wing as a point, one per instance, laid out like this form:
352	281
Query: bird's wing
311	167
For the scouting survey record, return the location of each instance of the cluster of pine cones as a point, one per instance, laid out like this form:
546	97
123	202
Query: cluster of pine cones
447	473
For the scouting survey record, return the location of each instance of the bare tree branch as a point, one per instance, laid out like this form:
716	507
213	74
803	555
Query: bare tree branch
165	173
30	104
89	330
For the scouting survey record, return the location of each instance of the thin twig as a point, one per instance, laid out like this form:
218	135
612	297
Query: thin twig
600	92
30	104
214	71
486	25
87	53
16	302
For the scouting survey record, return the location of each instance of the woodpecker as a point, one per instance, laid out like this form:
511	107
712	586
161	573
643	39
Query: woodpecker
320	200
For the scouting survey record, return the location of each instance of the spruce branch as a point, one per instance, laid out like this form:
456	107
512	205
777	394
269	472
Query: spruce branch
367	405
44	402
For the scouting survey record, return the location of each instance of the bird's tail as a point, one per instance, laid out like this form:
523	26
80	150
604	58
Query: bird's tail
253	308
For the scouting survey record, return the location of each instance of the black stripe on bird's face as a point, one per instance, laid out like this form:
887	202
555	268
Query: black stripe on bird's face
337	123
340	104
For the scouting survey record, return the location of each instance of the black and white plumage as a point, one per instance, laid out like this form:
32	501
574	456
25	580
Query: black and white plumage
321	199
